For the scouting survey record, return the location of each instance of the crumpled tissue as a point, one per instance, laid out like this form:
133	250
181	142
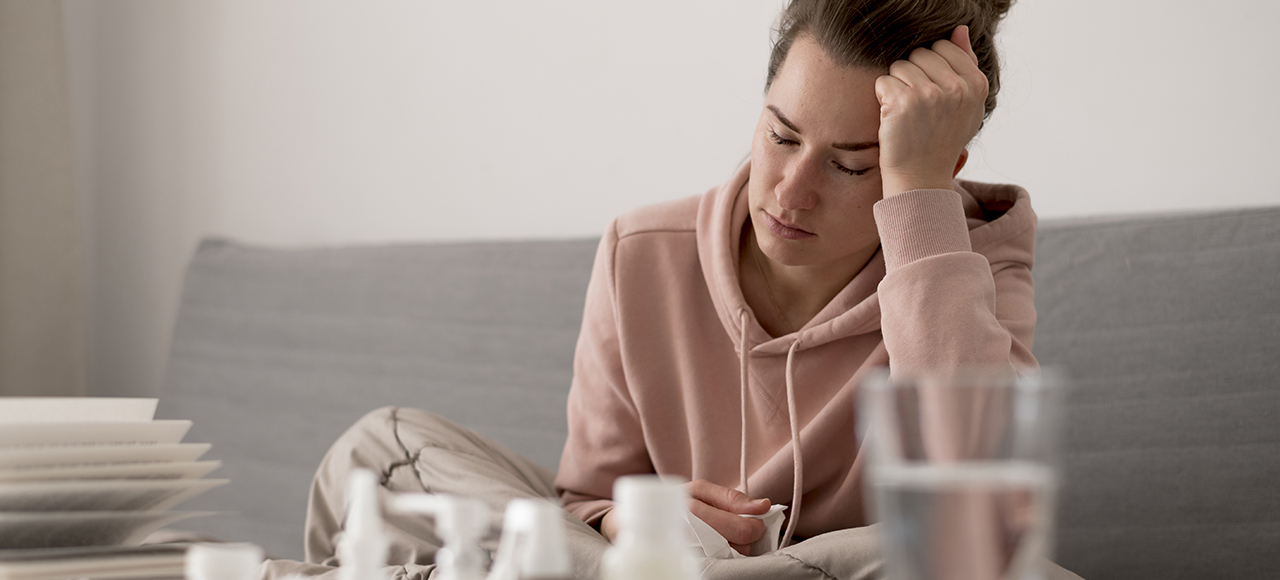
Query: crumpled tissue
714	546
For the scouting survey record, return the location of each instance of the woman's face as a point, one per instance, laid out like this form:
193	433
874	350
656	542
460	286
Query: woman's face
814	171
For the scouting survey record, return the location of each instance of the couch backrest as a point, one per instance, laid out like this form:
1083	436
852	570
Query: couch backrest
1168	327
276	352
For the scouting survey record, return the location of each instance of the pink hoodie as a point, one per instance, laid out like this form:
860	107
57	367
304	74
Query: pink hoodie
661	384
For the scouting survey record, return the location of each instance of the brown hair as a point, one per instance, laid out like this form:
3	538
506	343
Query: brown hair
875	33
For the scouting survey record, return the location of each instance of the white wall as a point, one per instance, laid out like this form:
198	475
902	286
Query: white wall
323	122
1137	106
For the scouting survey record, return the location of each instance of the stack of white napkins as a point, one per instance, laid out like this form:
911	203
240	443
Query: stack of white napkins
90	472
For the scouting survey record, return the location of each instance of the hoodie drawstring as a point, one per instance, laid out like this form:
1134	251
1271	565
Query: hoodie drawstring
797	457
742	403
793	417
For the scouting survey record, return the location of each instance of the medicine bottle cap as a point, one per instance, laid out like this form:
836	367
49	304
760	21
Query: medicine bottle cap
650	506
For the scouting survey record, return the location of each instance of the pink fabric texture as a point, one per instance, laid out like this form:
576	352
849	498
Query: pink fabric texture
658	370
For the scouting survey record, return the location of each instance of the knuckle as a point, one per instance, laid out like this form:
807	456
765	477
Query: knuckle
932	94
983	90
754	529
953	87
710	493
741	531
706	512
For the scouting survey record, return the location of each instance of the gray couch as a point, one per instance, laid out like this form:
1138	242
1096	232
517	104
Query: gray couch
1169	327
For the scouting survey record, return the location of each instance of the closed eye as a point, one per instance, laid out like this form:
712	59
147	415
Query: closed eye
780	140
851	171
777	139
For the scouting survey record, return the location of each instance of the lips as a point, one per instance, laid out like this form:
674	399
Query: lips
784	230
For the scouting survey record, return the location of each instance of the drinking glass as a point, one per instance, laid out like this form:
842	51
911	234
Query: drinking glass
962	472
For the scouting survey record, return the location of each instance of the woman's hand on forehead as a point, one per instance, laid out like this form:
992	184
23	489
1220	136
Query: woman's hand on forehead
931	106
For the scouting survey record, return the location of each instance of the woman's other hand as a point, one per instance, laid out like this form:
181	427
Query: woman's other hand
721	508
931	106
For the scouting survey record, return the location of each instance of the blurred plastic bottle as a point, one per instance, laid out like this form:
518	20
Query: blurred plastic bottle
651	532
362	548
532	545
460	522
222	561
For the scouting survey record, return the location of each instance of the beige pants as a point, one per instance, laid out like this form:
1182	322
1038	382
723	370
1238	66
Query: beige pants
416	451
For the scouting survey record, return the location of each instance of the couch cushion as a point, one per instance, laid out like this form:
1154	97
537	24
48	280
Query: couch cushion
1169	329
276	352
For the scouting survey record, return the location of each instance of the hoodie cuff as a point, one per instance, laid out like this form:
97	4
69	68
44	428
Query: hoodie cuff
590	512
920	223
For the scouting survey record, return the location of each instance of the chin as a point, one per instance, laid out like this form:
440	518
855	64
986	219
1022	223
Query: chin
786	252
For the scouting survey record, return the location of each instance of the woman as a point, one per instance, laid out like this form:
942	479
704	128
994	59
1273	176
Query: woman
726	331
723	332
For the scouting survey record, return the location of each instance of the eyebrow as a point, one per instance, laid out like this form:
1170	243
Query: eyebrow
841	146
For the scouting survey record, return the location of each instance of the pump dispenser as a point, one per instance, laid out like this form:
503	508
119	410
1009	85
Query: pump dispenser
460	522
532	545
222	561
651	521
362	549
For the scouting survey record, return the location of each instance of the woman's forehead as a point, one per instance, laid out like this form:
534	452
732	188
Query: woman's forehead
817	94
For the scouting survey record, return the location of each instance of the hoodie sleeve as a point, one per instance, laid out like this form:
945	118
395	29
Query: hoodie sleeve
943	304
605	437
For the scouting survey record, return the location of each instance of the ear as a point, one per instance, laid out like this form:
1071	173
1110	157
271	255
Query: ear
964	156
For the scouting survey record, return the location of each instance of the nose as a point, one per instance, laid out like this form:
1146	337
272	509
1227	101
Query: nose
799	185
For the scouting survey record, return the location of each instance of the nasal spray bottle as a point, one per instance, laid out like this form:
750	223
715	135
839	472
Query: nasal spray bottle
460	522
532	545
651	536
222	561
362	549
